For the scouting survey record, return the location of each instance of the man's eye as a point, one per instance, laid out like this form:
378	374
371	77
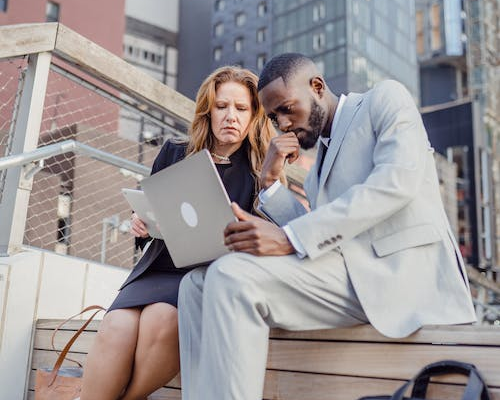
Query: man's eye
288	109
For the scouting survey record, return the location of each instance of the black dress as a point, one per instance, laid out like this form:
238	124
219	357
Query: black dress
155	279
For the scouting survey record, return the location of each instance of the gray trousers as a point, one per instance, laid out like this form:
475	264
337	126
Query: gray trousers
226	310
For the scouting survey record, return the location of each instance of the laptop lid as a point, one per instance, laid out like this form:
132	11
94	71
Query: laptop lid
192	209
140	204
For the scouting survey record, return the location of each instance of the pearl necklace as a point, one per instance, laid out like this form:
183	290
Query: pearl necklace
221	158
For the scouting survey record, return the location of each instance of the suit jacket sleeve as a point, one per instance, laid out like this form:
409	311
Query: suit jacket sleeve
282	207
399	158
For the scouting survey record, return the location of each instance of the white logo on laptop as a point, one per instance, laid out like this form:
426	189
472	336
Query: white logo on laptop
189	214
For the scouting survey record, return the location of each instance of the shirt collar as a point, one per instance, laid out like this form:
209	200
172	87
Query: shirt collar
335	122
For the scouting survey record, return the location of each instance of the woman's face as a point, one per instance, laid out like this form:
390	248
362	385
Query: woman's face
231	114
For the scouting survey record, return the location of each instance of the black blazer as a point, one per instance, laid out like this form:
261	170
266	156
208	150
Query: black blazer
237	179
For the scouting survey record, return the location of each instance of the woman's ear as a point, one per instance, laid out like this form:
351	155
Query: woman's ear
318	85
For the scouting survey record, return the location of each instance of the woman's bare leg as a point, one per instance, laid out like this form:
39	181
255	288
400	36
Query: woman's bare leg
157	353
109	363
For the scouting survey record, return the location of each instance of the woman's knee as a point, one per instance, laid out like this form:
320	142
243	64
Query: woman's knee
161	320
119	326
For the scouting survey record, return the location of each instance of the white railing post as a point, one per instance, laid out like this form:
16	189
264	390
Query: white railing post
17	189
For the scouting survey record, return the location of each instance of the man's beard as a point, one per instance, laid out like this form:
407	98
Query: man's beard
315	123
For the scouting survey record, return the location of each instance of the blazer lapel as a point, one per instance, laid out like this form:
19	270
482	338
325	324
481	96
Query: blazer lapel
349	109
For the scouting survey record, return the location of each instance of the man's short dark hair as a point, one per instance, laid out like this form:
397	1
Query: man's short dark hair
282	66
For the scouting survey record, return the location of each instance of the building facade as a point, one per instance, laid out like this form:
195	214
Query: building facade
458	46
354	43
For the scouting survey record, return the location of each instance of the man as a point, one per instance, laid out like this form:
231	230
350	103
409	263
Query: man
376	247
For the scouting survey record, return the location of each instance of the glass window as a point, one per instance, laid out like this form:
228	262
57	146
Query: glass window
435	27
262	9
419	27
220	5
320	64
318	41
52	12
261	35
3	5
261	61
319	11
238	44
240	19
218	29
217	53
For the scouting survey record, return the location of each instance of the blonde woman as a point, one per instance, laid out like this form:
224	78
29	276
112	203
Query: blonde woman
136	350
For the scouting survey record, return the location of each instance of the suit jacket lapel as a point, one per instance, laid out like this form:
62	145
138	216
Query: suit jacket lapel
349	109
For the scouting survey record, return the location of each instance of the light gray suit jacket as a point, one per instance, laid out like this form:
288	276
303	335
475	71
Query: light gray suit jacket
377	199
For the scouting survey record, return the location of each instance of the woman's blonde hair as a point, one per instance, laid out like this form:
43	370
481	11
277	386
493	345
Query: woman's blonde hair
260	130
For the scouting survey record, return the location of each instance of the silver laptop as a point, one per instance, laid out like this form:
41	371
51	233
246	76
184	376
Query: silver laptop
140	204
192	209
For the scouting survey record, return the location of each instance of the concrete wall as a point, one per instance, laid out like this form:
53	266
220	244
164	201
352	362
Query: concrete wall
36	284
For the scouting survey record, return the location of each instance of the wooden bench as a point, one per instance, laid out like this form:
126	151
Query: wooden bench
332	364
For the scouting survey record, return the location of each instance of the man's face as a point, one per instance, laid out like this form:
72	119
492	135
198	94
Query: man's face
293	108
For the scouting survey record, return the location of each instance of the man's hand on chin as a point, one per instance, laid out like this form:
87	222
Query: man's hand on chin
282	148
254	235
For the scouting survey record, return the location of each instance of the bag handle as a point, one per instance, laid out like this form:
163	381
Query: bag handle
64	352
476	387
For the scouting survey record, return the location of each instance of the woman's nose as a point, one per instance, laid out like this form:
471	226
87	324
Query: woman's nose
231	114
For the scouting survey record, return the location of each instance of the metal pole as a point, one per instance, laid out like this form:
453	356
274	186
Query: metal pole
15	199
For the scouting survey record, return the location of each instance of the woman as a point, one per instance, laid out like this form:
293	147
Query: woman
136	350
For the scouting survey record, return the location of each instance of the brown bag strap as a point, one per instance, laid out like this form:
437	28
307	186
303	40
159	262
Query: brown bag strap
64	352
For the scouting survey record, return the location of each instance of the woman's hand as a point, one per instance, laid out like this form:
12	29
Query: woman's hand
138	227
281	148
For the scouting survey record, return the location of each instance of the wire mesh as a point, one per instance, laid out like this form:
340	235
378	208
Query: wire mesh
76	206
10	88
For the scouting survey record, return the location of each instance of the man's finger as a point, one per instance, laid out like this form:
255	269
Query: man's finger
238	226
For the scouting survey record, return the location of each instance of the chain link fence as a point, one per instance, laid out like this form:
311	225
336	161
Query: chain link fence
10	89
76	205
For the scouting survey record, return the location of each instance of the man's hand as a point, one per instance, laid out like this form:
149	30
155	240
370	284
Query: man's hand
281	148
254	235
138	227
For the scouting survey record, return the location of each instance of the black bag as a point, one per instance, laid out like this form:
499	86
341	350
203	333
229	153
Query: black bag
476	387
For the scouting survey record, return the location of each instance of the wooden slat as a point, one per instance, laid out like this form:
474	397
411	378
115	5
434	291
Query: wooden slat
166	394
81	345
391	360
110	68
487	335
458	334
300	386
70	325
18	40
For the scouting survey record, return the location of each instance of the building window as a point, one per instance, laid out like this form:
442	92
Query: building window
238	45
318	41
52	11
3	5
262	9
435	27
240	19
217	53
220	5
419	27
219	29
261	35
320	64
319	11
261	61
